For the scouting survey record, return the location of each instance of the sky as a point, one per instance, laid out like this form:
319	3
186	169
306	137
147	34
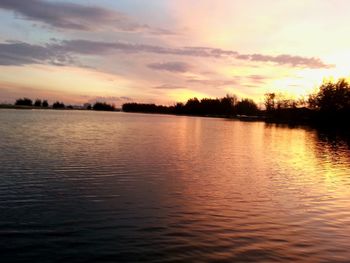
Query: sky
165	51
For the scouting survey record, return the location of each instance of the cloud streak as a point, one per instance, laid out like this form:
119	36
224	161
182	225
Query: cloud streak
63	53
169	87
95	47
176	66
20	53
256	78
76	16
213	82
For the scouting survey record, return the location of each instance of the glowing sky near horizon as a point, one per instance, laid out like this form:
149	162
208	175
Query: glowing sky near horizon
163	51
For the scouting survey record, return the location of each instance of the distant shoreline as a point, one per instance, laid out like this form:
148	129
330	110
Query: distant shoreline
245	118
22	107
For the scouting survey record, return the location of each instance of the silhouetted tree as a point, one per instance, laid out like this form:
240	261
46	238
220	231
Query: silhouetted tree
207	107
192	106
247	107
58	105
24	102
179	108
37	103
103	106
87	106
270	101
45	104
149	108
332	103
228	104
332	97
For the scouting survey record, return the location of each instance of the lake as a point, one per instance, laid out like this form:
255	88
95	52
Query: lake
82	186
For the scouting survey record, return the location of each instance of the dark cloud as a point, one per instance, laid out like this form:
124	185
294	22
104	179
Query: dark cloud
291	60
176	66
75	16
62	53
96	47
168	86
19	53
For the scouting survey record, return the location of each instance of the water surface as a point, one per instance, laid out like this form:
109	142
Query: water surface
81	186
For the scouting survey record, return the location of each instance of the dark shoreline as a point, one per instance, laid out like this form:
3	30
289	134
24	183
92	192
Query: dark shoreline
20	107
262	117
330	133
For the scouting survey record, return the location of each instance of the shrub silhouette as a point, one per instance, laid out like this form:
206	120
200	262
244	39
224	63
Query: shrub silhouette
247	107
58	105
332	97
37	103
332	103
103	106
220	107
45	104
270	101
24	102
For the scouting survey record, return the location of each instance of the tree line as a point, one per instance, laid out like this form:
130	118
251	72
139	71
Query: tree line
29	102
38	103
226	106
329	105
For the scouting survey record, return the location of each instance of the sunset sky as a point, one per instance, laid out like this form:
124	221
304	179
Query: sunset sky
163	51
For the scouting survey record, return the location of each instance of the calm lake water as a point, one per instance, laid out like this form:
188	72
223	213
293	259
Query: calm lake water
81	186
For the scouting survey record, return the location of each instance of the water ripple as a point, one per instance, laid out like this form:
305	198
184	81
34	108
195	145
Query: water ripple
115	187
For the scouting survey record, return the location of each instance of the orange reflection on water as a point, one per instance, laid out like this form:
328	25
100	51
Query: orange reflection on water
185	187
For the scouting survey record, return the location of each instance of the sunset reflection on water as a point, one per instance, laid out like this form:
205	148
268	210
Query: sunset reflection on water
136	187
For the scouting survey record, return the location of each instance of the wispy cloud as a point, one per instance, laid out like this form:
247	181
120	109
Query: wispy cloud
213	82
176	66
168	86
289	59
256	78
67	15
61	53
96	47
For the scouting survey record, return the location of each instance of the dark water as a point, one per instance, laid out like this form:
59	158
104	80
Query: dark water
112	187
